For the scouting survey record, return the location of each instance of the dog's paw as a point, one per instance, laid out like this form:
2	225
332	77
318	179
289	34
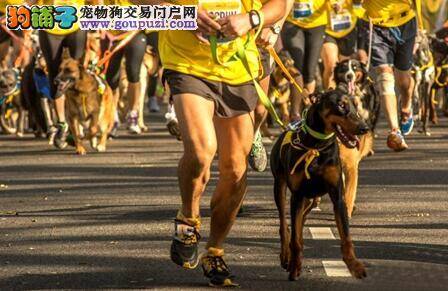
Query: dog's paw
101	148
357	269
81	151
284	259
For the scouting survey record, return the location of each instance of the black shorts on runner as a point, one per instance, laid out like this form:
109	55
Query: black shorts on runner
230	100
394	46
346	44
362	29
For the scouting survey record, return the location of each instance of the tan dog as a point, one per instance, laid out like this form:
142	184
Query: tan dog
89	103
352	76
149	67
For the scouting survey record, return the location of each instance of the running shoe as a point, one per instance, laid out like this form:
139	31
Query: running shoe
184	247
258	159
216	269
396	142
132	120
60	140
406	123
114	131
171	122
153	104
51	134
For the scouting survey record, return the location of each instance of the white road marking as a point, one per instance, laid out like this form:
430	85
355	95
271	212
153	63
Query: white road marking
336	269
321	233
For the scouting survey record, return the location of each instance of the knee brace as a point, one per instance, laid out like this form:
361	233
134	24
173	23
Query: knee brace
385	84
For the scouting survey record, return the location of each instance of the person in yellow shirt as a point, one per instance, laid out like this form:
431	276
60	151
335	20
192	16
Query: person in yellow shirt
214	97
393	37
341	38
52	42
303	36
133	53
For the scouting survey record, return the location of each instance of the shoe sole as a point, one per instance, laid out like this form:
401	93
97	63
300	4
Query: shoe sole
395	146
410	130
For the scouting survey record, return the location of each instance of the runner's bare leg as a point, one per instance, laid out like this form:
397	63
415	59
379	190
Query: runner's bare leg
235	137
195	115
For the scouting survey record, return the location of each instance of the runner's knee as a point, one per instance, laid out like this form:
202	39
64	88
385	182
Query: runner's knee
386	83
199	160
232	169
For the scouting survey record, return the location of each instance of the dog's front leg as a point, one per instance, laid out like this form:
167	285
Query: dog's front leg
74	128
355	266
296	243
280	200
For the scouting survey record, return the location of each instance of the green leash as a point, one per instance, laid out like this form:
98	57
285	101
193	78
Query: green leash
241	54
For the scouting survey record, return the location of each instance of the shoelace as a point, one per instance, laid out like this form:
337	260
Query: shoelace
189	238
257	145
217	263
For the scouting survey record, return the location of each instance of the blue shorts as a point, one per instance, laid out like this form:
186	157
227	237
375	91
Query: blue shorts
394	46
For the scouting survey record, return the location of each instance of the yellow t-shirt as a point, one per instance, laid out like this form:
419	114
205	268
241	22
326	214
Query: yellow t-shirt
75	3
3	4
181	51
309	13
349	10
387	13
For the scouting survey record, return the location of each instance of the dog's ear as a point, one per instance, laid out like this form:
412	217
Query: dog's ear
65	53
315	98
365	73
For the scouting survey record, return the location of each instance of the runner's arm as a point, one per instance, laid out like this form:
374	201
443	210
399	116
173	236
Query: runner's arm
266	35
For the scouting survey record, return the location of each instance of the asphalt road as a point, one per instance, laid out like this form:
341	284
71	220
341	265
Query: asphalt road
105	220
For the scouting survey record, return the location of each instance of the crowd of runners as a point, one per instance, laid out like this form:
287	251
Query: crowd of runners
218	82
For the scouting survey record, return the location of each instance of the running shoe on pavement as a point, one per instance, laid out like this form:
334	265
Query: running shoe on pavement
60	140
153	104
51	134
258	159
406	123
132	120
184	247
216	269
396	142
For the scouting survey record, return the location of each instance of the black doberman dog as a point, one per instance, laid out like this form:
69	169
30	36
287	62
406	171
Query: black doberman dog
307	162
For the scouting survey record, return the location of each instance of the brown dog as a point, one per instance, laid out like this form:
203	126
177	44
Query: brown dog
351	76
280	87
89	103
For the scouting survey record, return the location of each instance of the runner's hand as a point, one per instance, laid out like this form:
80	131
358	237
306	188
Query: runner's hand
265	38
337	7
206	26
235	25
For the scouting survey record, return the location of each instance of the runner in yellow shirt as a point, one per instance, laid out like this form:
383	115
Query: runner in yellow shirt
52	42
303	36
214	99
394	32
341	38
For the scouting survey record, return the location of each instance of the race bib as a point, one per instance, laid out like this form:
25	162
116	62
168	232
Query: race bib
340	21
302	9
221	9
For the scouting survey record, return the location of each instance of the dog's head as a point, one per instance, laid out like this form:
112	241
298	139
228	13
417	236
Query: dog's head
8	82
350	73
69	73
341	116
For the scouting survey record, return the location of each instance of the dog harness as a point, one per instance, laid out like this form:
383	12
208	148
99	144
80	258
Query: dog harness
310	153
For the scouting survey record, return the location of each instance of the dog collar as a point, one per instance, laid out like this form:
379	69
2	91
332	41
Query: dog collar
315	134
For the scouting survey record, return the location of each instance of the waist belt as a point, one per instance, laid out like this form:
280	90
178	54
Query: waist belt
379	21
